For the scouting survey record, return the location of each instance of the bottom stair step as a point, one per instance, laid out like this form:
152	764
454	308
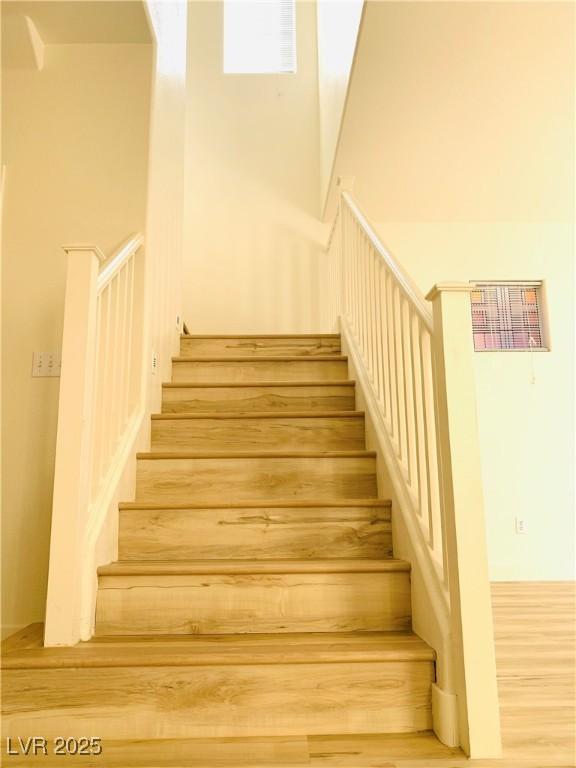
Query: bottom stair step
393	750
213	687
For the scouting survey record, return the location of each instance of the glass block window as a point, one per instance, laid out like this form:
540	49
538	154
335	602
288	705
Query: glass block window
507	316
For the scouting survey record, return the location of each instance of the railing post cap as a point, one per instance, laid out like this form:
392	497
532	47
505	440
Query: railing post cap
439	288
85	247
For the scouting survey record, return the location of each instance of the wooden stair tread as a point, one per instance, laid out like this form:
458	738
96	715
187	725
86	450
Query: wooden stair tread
211	650
260	415
258	455
279	383
241	567
261	359
258	504
261	336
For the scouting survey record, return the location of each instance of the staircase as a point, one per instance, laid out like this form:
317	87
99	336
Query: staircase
256	593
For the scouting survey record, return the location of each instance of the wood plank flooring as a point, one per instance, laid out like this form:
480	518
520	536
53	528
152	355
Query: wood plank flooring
253	369
538	727
253	431
167	477
233	346
253	600
260	396
306	530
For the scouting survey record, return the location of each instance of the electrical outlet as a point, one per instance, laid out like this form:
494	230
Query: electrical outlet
46	364
520	525
154	364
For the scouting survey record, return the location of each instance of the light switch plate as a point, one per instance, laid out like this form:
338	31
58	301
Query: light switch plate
46	364
520	525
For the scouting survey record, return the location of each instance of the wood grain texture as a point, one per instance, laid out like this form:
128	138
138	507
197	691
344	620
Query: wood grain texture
209	650
169	702
248	478
536	734
234	346
259	602
414	750
220	432
250	567
299	396
224	752
259	369
255	532
535	629
31	636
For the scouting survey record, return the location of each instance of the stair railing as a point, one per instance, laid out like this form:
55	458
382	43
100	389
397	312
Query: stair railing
101	407
414	364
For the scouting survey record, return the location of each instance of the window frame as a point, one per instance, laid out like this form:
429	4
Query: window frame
539	286
252	73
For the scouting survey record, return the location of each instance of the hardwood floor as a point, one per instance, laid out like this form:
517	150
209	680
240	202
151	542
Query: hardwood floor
257	605
345	529
535	645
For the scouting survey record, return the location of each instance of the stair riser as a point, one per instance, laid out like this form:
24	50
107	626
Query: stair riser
258	370
254	533
238	347
251	479
280	433
265	398
225	701
222	604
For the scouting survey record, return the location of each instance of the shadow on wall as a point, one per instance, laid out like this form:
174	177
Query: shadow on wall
252	232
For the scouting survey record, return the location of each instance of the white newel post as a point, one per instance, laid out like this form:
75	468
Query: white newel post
471	614
72	471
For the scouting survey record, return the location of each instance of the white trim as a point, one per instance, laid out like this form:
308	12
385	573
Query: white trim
445	716
97	515
117	262
85	247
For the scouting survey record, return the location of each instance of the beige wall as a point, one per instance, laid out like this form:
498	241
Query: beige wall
460	134
75	144
252	235
525	400
165	202
462	112
163	239
338	22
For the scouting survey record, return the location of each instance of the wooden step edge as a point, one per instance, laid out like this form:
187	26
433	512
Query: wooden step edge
224	415
157	651
273	504
246	567
240	384
263	359
31	636
261	336
259	455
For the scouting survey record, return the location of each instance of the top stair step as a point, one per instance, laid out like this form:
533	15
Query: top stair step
307	345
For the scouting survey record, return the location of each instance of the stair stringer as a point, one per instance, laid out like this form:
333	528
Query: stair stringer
430	600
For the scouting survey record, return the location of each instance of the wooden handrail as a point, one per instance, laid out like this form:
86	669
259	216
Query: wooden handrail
407	285
122	255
